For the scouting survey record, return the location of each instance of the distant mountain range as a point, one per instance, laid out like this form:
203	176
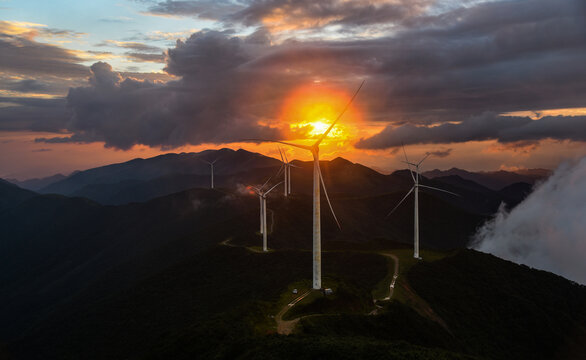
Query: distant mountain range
140	180
495	180
36	184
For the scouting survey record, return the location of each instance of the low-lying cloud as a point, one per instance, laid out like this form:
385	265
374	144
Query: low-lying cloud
546	231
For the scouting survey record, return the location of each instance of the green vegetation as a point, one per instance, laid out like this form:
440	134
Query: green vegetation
501	310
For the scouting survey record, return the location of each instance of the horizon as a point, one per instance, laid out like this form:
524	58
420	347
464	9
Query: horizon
383	172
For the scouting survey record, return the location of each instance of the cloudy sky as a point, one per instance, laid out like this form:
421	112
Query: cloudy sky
481	85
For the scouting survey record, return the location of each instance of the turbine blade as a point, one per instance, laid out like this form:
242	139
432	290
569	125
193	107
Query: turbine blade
281	142
339	116
407	161
404	152
327	197
426	155
286	160
434	188
280	153
271	189
400	202
266	182
280	169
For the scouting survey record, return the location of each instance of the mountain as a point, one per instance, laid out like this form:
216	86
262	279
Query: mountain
61	245
229	162
36	184
11	195
494	180
234	169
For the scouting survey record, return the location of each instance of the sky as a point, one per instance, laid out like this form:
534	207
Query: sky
480	85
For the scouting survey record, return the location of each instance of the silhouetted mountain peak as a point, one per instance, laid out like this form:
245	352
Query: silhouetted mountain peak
494	180
12	195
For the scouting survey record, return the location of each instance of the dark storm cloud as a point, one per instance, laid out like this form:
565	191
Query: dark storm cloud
28	57
33	114
488	126
206	105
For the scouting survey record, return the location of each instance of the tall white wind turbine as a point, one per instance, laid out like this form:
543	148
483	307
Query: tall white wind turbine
262	194
212	171
415	189
317	179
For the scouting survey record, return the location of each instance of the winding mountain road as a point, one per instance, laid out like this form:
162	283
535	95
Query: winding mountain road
285	327
395	274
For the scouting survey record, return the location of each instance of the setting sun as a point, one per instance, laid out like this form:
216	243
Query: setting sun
310	110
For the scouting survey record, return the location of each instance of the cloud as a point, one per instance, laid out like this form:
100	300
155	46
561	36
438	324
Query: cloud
278	15
440	153
307	14
145	48
141	57
27	85
440	78
208	104
205	9
545	231
520	131
30	30
28	57
34	114
116	19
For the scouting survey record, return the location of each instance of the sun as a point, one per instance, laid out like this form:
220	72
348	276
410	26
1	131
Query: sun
319	127
310	110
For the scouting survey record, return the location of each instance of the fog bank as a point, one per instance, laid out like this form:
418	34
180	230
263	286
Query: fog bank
546	231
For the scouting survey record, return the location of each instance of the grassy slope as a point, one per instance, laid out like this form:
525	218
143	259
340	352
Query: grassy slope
502	310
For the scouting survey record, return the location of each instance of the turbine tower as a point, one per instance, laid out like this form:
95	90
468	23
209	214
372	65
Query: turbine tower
317	179
286	168
212	168
415	190
262	194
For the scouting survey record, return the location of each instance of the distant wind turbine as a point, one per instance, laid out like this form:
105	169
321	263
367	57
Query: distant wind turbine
415	189
262	194
317	178
286	168
212	168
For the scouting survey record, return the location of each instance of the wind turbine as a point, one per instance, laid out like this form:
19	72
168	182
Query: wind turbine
212	167
286	168
262	194
317	179
415	189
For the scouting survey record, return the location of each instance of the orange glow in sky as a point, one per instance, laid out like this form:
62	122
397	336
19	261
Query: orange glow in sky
311	109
